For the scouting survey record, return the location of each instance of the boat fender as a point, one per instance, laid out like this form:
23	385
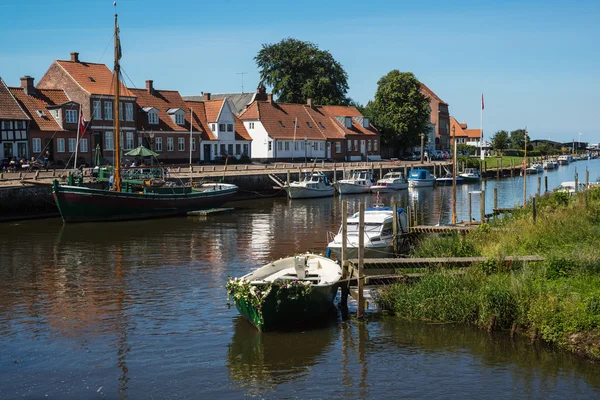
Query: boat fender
328	253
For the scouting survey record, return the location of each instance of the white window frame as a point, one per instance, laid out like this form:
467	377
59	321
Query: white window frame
60	145
108	106
130	141
121	114
83	145
170	144
355	145
369	145
338	147
213	127
72	145
193	144
129	111
180	144
179	119
279	145
97	110
349	141
109	141
71	116
37	145
153	118
375	145
158	144
287	145
229	127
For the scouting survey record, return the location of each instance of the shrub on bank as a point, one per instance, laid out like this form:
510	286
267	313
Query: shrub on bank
557	300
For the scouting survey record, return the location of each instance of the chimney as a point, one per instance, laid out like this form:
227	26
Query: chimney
270	97
309	102
261	93
75	57
206	96
150	86
27	84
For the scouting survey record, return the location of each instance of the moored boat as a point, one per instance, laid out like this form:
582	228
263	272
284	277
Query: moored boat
285	292
535	168
390	182
548	164
359	182
313	185
420	178
470	175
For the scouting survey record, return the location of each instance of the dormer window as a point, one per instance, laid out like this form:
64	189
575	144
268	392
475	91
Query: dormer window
177	114
348	122
71	116
309	125
281	123
366	123
179	119
40	113
152	115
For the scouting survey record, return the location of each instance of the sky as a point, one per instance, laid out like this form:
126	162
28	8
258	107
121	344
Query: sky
535	62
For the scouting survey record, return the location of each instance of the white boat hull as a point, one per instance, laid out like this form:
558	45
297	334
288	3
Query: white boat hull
301	192
421	182
385	250
351	188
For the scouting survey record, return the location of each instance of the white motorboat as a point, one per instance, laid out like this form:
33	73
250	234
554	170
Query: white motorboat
378	237
446	180
571	187
548	164
565	160
313	185
420	178
359	182
535	168
390	182
470	175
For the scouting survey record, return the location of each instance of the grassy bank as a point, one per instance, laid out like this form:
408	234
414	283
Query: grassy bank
557	300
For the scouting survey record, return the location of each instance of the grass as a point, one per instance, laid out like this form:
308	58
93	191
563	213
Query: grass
557	300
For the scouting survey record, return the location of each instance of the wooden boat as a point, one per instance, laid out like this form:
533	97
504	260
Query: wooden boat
124	199
420	178
359	182
313	185
390	182
287	292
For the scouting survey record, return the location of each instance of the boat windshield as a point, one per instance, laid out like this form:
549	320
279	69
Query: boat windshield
418	174
369	228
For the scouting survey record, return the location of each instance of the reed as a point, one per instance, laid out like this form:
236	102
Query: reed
557	300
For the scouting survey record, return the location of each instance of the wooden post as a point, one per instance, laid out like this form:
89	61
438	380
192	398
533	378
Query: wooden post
482	205
576	182
361	260
345	290
395	228
288	177
545	183
416	212
501	168
334	173
470	208
299	174
587	178
497	173
495	199
539	186
512	169
534	209
405	171
380	171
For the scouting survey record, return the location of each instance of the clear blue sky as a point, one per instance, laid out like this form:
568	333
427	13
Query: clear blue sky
537	62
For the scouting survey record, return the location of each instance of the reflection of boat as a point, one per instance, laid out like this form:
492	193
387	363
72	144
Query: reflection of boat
273	358
390	182
379	233
471	175
132	201
288	291
420	178
313	185
359	182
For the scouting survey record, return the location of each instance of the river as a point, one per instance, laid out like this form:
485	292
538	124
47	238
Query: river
138	310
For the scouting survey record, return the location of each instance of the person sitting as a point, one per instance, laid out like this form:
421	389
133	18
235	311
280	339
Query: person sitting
133	164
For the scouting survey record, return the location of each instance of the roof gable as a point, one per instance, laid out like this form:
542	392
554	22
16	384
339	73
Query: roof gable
43	100
96	79
429	93
9	106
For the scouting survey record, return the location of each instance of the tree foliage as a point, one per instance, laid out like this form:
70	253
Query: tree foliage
400	110
298	70
517	138
500	140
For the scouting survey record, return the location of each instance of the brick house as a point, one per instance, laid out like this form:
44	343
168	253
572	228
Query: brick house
439	118
53	126
14	126
92	86
284	131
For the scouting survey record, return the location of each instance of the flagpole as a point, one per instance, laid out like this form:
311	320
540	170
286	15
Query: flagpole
481	128
77	141
294	146
191	128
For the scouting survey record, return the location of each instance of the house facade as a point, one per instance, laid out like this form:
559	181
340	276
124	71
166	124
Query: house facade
14	127
91	85
439	118
53	127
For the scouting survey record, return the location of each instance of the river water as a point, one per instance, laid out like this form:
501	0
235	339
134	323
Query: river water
138	310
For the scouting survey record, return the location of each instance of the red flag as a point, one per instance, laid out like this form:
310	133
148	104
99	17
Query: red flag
482	105
81	123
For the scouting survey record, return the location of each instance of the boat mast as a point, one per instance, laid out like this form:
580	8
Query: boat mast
117	144
454	178
191	129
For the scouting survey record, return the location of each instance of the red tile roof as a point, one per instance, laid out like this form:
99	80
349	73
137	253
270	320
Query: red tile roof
9	106
93	78
200	119
213	108
473	133
162	100
240	130
458	128
40	100
429	93
357	127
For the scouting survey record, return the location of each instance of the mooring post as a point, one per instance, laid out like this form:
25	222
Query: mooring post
334	173
470	208
534	204
409	215
345	289
288	177
546	184
482	205
495	199
395	228
405	171
416	212
501	167
361	260
576	182
539	186
380	171
587	177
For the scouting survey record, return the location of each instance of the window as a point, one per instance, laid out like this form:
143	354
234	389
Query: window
349	145
230	149
216	151
179	119
322	126
238	148
181	144
281	123
368	145
140	141
22	150
158	144
83	145
130	141
287	146
270	145
374	145
121	115
223	150
301	145
309	125
251	125
279	145
221	127
322	146
129	111
108	110
72	145
71	117
193	144
229	127
338	147
170	144
295	145
245	149
213	127
153	118
97	110
37	145
60	145
108	141
356	145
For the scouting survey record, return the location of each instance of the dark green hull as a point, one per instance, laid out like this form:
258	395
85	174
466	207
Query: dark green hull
289	312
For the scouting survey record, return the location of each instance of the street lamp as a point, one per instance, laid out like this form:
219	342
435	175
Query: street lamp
422	143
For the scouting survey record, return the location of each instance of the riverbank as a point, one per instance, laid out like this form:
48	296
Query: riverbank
557	301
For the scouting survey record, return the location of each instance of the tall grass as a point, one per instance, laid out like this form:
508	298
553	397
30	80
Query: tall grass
558	299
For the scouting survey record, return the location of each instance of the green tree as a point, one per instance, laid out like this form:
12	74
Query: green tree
298	70
517	139
400	111
500	140
547	149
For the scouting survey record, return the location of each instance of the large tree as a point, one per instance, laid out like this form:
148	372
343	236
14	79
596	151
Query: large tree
399	110
500	140
298	70
517	139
